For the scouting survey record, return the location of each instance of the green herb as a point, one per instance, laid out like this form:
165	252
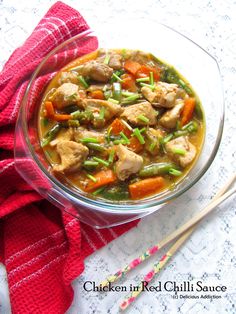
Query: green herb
89	140
76	68
152	87
125	138
179	151
126	94
143	79
151	79
91	177
180	133
191	127
108	134
82	116
178	127
139	136
48	153
142	118
98	191
116	91
102	113
107	94
45	122
152	146
116	77
113	100
130	98
167	138
143	130
123	52
82	81
51	134
107	59
119	141
101	161
175	172
76	114
111	156
71	97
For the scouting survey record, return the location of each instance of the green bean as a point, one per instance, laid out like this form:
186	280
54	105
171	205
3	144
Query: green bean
95	146
116	193
156	169
51	134
90	165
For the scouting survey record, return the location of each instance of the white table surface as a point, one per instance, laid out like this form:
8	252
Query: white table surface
210	254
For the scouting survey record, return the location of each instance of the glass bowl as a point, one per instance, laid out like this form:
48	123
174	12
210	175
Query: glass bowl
193	62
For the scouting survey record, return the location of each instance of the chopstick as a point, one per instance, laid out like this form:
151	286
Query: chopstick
218	198
157	267
188	228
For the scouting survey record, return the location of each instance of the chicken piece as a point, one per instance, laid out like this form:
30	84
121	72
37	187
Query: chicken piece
97	71
128	163
115	61
94	87
164	94
152	144
133	112
69	77
181	143
72	156
96	105
82	133
63	135
170	117
68	94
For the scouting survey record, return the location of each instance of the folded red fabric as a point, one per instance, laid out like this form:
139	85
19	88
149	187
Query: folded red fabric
42	248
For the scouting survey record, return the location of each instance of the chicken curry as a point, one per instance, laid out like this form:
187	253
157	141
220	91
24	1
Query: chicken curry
120	125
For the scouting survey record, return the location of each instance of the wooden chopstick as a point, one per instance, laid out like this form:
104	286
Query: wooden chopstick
157	267
151	251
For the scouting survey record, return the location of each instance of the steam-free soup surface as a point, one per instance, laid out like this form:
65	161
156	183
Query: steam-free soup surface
120	125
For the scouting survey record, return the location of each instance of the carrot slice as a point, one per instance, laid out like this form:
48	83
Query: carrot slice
61	117
49	109
187	113
132	66
128	82
145	70
97	94
103	177
146	187
117	127
135	145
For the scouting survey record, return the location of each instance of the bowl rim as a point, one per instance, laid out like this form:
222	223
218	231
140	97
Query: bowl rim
118	207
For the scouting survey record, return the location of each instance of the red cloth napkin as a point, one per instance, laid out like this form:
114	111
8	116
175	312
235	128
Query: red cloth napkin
42	248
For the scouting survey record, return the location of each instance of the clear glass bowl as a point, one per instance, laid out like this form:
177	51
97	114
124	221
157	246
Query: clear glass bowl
200	69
